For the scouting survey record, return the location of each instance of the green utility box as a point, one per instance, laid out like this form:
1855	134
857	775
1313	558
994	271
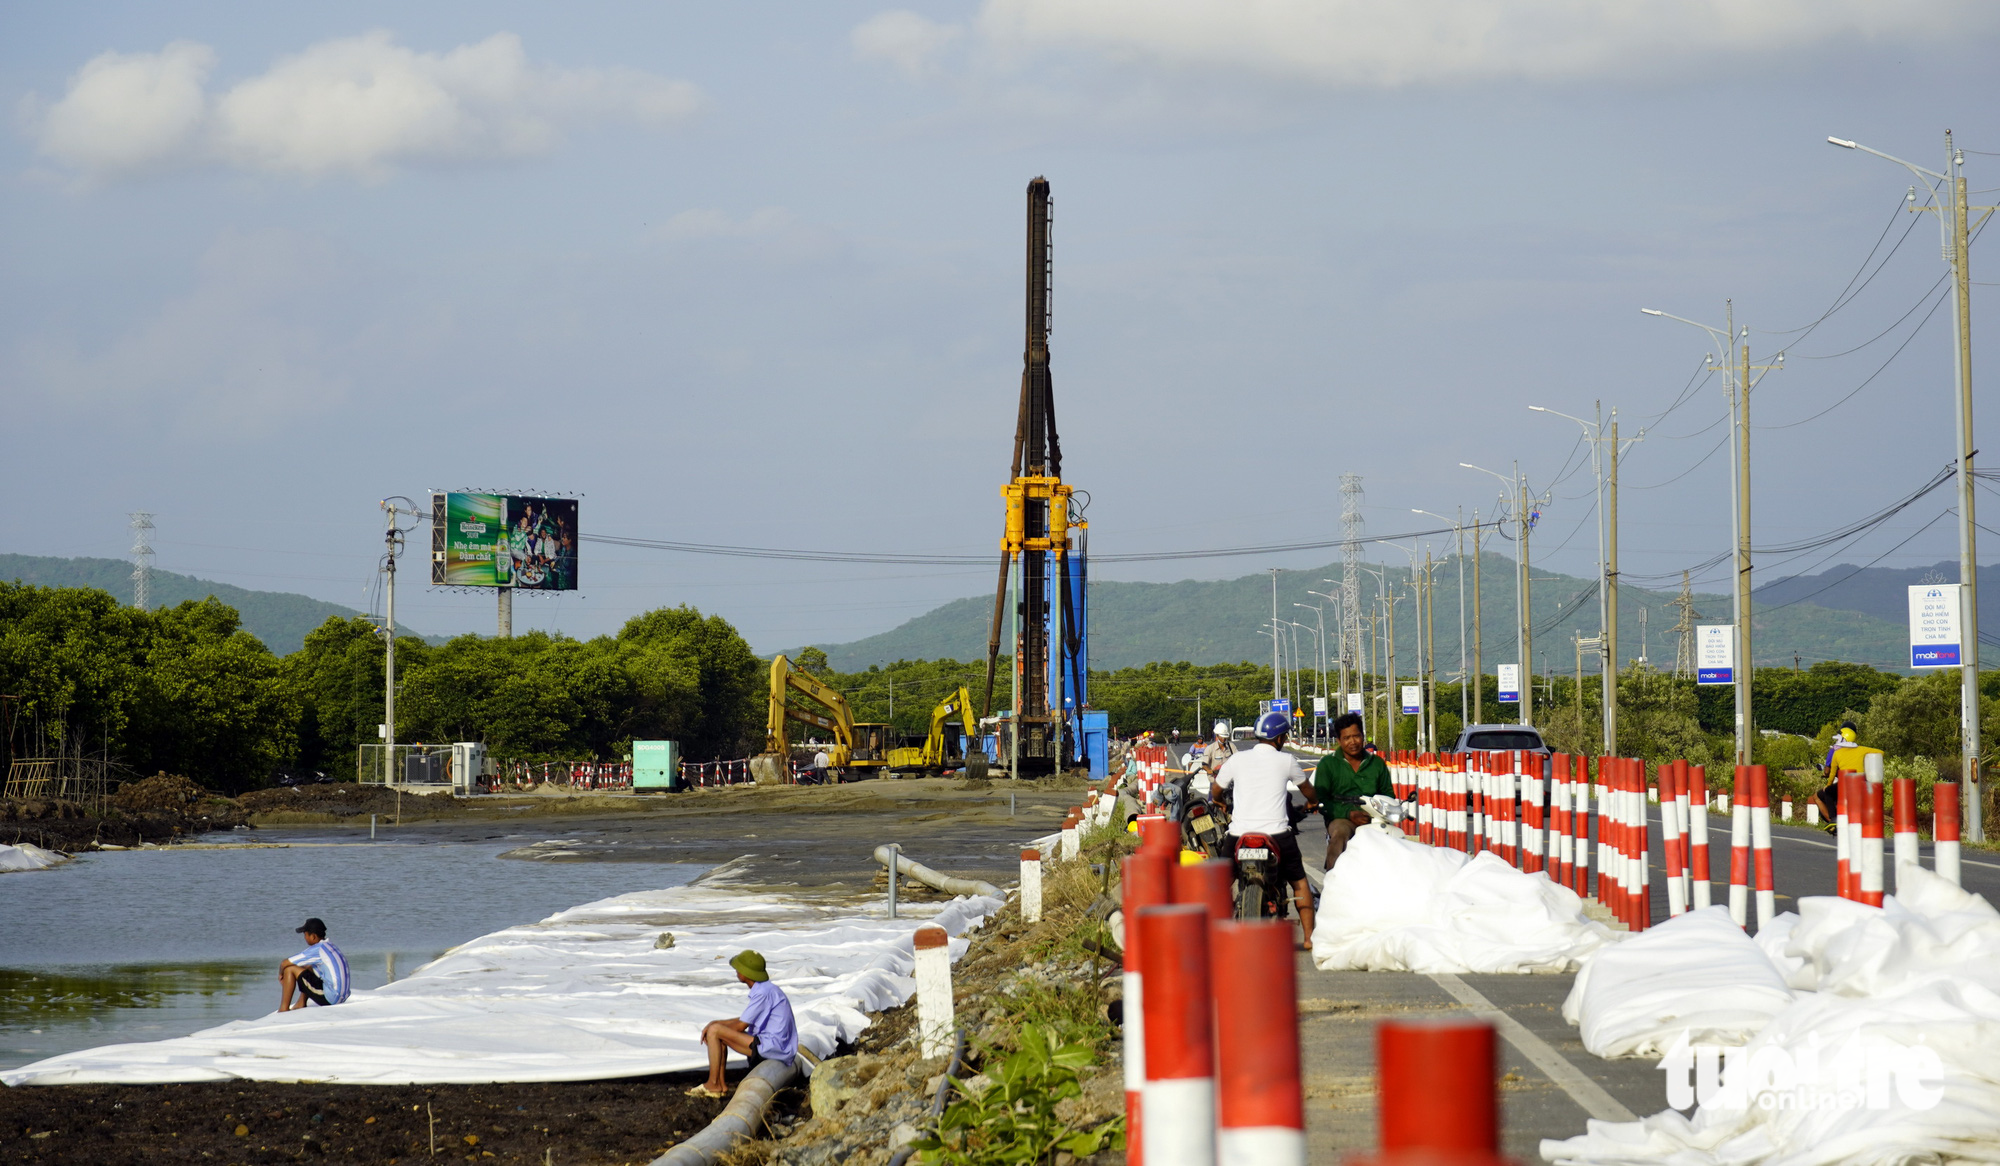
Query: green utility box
656	765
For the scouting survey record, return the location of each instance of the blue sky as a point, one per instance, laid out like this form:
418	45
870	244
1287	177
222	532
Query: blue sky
751	274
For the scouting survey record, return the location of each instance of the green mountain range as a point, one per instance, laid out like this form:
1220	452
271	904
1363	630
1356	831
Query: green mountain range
1210	622
279	618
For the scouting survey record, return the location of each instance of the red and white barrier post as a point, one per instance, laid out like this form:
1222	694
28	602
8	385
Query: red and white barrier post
1179	1091
1534	852
1700	891
1739	849
1438	1100
1670	834
1944	830
1579	820
1260	1107
1760	844
1870	865
1031	886
1146	884
1559	839
1904	798
1845	839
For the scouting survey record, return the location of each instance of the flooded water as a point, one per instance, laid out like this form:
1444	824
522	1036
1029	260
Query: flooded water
141	945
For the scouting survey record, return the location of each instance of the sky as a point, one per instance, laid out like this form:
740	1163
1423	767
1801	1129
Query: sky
752	275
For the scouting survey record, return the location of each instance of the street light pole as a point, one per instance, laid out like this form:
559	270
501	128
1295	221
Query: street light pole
1458	531
1955	231
1518	496
1737	379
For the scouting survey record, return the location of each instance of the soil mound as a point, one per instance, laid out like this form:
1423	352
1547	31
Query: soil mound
165	792
341	800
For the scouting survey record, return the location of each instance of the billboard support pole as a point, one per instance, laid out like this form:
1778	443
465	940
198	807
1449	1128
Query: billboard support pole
506	612
389	658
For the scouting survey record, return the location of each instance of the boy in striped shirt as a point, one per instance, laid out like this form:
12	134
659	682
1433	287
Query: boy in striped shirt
318	974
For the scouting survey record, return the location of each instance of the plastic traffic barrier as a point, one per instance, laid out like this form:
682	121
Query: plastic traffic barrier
1260	1107
1147	884
1178	1096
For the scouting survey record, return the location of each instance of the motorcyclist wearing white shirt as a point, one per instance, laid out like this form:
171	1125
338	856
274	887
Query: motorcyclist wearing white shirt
1259	782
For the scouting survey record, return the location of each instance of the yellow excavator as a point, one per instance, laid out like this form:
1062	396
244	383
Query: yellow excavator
936	749
855	746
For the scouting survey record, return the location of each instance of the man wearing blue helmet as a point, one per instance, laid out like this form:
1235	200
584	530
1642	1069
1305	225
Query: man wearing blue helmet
1259	781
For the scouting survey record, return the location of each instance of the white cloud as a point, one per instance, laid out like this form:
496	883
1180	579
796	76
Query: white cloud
354	105
1406	42
904	39
127	111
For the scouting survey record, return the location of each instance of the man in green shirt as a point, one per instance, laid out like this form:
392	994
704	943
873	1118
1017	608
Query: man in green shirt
1342	779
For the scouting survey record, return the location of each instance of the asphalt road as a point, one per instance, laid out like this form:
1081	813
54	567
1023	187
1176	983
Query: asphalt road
1550	1085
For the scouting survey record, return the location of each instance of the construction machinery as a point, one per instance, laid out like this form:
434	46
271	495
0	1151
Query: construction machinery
939	748
855	747
1042	575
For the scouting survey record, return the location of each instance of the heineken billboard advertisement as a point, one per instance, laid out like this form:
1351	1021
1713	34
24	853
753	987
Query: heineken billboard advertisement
503	540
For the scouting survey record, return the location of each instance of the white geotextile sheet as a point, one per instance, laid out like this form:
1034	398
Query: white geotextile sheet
1888	1054
581	995
1696	977
28	856
1393	905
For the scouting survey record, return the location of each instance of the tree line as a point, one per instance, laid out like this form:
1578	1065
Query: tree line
186	690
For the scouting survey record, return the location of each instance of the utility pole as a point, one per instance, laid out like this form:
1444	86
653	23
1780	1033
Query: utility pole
1746	666
1949	198
1611	660
1275	691
1392	707
1478	629
1527	634
1431	655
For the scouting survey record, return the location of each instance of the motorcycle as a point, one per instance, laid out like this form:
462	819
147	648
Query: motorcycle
1260	893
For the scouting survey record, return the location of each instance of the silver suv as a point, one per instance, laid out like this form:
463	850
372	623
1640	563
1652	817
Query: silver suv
1485	738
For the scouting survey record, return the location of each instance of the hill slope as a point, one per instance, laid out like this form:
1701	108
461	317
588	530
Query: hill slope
279	618
1219	621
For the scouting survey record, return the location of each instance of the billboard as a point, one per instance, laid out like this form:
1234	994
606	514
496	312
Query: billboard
504	540
1412	698
1934	634
1715	653
1509	678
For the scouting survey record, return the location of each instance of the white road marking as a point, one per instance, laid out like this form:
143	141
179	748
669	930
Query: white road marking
1588	1094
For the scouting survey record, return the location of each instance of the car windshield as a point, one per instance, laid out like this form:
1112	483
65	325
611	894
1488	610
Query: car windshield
1504	739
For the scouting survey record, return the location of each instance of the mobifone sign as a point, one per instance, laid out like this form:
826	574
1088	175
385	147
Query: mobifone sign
1715	653
1509	677
1934	634
503	540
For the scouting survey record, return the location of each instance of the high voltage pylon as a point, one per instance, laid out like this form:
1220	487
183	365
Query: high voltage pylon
1684	629
142	560
1350	580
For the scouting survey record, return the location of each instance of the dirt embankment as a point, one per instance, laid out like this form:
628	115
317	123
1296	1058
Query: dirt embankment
571	1123
157	809
1031	999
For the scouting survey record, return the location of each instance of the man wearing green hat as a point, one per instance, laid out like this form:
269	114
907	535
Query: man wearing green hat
765	1031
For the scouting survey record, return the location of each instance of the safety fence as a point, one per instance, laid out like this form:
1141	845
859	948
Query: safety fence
617	775
1546	814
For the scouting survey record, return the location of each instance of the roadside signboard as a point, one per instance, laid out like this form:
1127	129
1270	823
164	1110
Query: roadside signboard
1715	653
1412	699
1509	676
1319	706
1354	702
1281	705
1934	631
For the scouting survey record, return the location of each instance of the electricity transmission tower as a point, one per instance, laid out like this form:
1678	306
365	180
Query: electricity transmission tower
1684	629
1350	574
142	560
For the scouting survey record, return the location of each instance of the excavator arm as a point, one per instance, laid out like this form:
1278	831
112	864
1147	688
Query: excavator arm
785	681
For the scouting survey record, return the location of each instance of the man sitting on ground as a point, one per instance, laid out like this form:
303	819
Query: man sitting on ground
1342	779
765	1031
318	974
1259	782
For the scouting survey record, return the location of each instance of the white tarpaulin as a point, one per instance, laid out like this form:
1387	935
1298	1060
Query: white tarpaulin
582	995
28	857
1886	1056
1392	905
1696	978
